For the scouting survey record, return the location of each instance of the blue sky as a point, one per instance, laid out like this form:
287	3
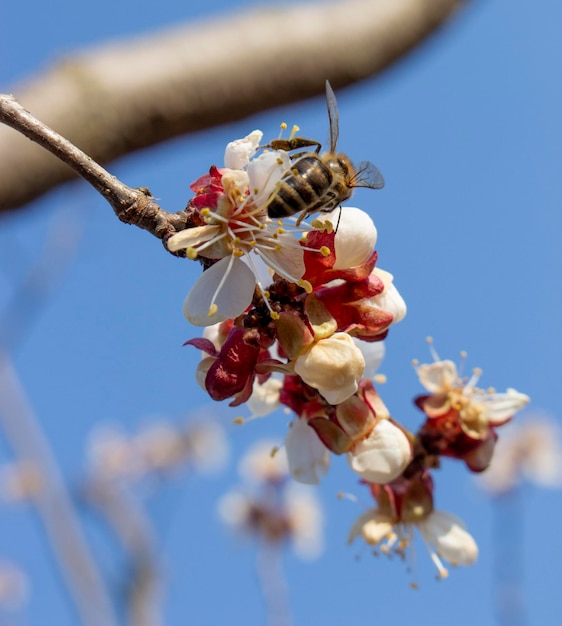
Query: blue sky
467	133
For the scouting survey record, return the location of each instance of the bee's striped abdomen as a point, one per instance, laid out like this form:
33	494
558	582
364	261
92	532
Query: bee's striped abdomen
302	188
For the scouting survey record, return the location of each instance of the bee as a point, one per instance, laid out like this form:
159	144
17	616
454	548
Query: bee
318	182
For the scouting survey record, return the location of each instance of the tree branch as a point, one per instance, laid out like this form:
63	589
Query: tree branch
132	206
126	96
53	504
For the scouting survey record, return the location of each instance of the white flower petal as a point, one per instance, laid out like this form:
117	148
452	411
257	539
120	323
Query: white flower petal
287	259
437	377
265	397
383	455
501	406
265	171
232	299
239	151
356	236
308	458
192	237
305	517
448	536
233	509
373	353
389	300
263	462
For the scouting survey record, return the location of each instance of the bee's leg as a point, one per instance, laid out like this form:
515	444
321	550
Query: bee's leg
287	145
301	217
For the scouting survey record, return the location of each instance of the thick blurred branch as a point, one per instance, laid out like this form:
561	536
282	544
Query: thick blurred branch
122	97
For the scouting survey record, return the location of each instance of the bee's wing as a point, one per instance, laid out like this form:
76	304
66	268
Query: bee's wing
367	175
333	115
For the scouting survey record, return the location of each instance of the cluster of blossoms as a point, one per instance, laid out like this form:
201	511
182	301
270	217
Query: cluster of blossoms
270	507
295	315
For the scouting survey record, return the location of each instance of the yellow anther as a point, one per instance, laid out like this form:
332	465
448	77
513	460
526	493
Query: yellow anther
295	171
464	354
274	315
206	212
235	241
305	285
414	585
477	371
280	231
283	125
415	362
278	248
325	251
238	253
429	340
266	294
238	420
253	243
380	379
191	253
279	161
294	131
212	310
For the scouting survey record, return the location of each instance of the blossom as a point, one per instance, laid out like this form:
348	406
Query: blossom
461	418
406	505
270	509
232	227
383	455
355	236
333	365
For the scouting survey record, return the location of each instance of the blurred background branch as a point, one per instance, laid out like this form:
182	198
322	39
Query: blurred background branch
129	95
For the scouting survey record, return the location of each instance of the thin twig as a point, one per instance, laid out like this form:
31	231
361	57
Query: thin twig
132	206
133	529
129	95
53	503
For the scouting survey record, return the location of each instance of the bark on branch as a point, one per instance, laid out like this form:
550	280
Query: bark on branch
126	96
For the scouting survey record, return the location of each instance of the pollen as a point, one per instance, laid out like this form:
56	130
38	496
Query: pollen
305	285
324	251
294	131
238	421
274	315
191	253
206	212
212	310
380	379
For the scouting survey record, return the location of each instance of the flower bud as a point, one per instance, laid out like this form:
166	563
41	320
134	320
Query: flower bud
334	366
383	455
